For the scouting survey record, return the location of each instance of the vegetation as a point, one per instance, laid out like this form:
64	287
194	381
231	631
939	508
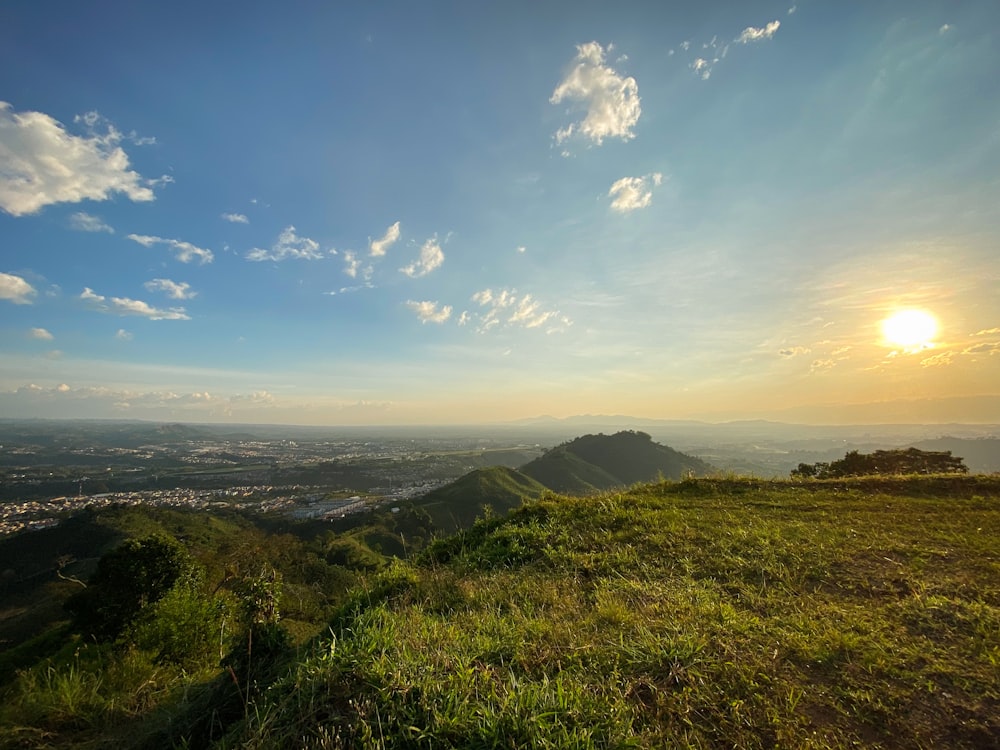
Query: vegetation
700	613
457	505
601	462
909	461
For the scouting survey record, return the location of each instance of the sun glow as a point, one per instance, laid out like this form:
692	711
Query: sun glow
911	330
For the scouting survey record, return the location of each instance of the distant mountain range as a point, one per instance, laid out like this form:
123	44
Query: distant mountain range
588	464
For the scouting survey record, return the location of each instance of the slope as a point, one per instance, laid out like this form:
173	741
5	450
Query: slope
705	613
599	462
456	505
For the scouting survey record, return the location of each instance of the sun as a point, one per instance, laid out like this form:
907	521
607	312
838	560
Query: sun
911	330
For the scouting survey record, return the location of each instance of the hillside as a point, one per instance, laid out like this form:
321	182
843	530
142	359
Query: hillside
456	505
697	614
703	613
600	462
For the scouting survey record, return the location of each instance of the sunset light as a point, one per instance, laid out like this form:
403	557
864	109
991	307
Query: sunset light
910	329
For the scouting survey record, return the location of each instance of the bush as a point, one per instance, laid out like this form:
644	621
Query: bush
130	577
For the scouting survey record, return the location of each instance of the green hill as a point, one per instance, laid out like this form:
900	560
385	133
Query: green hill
456	505
600	462
703	613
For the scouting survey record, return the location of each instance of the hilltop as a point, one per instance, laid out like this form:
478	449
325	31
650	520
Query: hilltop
599	462
588	464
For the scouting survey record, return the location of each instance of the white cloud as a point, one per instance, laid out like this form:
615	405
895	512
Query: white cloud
429	312
351	263
42	164
521	248
464	318
506	308
126	306
792	9
236	218
751	34
703	67
123	335
185	252
15	289
41	334
379	247
289	245
84	222
986	332
173	289
631	193
944	29
611	101
431	257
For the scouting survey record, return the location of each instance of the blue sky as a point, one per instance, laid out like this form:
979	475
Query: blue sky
360	213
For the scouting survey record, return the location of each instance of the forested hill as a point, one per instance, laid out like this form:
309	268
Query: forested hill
599	462
457	505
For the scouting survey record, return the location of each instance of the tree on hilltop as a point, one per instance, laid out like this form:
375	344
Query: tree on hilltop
908	461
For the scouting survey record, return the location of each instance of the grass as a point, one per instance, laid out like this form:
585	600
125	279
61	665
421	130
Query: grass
705	613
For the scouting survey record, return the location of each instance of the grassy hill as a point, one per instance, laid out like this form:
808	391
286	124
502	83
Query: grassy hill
456	505
702	613
600	462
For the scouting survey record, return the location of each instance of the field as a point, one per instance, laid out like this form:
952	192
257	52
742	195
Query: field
702	613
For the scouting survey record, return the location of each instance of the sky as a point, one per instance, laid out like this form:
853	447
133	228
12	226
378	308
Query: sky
434	213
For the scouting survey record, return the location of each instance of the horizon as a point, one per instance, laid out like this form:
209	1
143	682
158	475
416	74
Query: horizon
358	216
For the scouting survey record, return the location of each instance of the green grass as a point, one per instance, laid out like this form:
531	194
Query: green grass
705	613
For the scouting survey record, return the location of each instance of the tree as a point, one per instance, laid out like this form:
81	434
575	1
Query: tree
130	577
899	461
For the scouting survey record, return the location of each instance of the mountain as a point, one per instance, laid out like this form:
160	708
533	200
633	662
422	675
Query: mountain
456	505
600	462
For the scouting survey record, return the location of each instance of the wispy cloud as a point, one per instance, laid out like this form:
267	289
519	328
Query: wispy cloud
714	51
123	335
15	289
185	252
173	289
42	164
611	101
631	193
986	347
431	257
794	351
752	34
378	248
84	222
430	312
506	308
987	332
40	334
236	218
289	245
126	306
703	67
